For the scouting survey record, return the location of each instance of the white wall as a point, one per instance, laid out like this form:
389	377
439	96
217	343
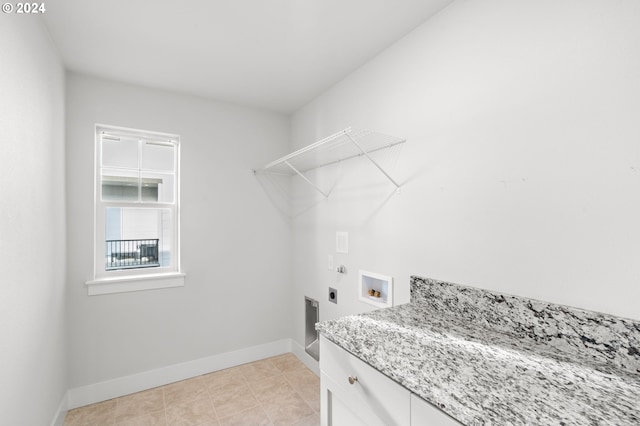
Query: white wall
32	224
522	166
235	246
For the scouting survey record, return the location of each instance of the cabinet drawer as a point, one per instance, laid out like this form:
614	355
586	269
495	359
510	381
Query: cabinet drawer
372	392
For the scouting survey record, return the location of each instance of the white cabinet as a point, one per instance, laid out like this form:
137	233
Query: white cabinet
425	414
352	393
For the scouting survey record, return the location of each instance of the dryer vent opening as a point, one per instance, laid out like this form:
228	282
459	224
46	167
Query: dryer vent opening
311	336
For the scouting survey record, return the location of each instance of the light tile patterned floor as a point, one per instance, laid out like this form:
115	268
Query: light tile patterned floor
273	391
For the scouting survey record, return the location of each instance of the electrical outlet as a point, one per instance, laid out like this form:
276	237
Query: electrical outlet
333	295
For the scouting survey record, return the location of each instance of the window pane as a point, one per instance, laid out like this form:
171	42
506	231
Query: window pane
157	187
120	153
119	185
166	237
158	156
137	238
113	220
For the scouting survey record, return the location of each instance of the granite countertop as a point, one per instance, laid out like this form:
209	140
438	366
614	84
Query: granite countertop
493	364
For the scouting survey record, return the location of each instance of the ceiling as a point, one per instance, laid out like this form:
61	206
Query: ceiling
272	54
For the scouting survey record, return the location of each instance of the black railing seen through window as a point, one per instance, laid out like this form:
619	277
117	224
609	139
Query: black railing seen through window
123	254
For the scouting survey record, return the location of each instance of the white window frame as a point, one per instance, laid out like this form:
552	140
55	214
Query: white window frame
135	279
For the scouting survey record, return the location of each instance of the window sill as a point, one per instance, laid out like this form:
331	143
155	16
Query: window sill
134	283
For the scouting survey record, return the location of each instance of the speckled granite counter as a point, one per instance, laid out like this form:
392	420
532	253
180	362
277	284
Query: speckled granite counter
487	358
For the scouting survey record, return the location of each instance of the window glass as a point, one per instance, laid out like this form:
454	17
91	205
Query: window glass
119	185
137	237
119	152
158	156
157	187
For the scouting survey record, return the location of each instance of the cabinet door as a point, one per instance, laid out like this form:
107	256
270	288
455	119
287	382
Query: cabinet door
425	414
339	408
372	399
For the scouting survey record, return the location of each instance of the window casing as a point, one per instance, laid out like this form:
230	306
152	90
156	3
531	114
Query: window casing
136	206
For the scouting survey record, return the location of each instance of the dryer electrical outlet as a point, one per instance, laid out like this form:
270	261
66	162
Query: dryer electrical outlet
333	295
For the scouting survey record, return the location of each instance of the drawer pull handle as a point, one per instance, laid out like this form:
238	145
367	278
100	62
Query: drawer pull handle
352	379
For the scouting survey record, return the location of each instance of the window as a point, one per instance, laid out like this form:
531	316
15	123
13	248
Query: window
136	211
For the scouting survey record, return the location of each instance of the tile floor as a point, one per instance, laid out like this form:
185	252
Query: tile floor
273	391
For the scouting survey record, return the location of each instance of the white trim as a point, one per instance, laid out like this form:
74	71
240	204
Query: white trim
102	391
61	412
127	131
308	360
134	283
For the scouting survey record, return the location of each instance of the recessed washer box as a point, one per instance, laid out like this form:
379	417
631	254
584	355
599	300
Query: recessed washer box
376	289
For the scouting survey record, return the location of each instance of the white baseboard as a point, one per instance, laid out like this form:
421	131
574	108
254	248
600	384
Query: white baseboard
58	418
90	394
308	360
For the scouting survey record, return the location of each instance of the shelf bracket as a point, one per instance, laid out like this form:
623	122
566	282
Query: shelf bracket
306	179
373	161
